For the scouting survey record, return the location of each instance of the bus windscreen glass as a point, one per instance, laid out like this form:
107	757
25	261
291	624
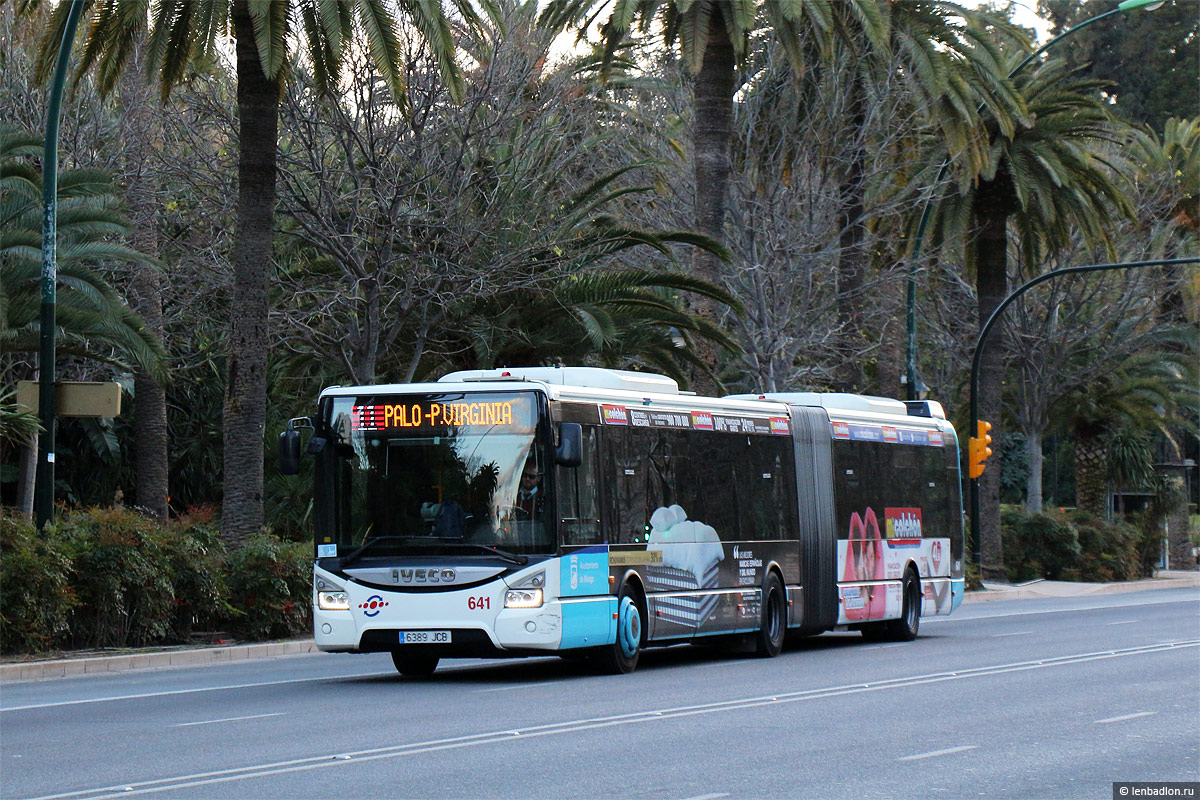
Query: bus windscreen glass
417	471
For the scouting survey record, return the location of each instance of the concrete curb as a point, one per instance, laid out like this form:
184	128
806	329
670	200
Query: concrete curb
189	657
196	656
1045	589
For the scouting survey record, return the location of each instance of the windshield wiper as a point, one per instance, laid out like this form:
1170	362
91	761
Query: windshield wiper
425	543
367	545
492	551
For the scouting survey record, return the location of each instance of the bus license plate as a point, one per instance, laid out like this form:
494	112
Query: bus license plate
424	637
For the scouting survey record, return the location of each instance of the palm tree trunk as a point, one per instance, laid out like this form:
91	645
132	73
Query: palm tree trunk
852	256
712	136
145	287
1091	465
246	384
991	282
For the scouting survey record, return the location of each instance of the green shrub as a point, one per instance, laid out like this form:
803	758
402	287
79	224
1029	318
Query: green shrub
122	577
1043	545
270	585
1109	551
36	596
197	562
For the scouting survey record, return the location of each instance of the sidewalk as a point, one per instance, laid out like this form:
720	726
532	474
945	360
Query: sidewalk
1163	579
149	658
199	655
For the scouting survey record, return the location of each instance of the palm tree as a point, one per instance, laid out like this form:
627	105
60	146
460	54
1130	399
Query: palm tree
948	59
93	320
617	318
1046	180
181	33
713	35
1149	393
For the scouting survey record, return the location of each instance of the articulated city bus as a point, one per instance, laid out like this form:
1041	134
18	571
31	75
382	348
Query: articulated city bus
597	512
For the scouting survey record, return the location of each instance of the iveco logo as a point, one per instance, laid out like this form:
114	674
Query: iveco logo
423	575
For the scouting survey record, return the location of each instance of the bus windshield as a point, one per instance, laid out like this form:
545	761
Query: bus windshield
415	474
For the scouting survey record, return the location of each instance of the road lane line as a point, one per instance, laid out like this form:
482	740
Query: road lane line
510	688
167	693
575	726
937	753
709	796
171	692
1125	717
1124	622
227	719
1018	633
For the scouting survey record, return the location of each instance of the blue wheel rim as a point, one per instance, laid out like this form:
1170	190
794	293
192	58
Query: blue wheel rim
629	627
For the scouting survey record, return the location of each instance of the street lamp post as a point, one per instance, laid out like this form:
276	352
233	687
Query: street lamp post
44	479
919	239
991	323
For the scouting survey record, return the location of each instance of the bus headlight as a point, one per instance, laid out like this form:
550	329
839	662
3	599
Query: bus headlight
333	601
523	598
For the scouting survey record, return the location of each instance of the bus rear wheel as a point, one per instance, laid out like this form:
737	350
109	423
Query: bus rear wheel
621	657
414	665
906	628
773	624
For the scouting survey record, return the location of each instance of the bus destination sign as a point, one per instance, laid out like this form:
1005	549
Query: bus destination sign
412	414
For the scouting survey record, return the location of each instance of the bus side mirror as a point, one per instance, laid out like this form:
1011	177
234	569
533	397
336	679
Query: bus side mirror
289	451
569	452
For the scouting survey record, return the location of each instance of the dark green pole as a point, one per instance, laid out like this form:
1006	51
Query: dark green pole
982	340
43	505
910	361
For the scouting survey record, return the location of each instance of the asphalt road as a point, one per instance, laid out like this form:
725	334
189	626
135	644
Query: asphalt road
1025	699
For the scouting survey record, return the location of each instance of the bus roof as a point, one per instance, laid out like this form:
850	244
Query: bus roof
595	384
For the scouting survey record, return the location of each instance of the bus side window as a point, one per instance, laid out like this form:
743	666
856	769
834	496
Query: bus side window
578	495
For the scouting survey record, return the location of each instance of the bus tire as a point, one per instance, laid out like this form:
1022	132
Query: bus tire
621	657
772	626
906	628
414	665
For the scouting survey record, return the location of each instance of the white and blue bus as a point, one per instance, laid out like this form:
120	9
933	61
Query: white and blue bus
588	511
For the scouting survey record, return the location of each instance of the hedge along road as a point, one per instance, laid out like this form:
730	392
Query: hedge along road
1004	697
155	658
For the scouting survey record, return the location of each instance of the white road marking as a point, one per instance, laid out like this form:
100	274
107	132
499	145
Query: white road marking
1125	622
193	781
171	692
320	679
1018	633
1125	717
937	753
518	686
227	719
709	796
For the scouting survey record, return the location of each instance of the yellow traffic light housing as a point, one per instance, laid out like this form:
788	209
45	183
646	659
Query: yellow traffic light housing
979	449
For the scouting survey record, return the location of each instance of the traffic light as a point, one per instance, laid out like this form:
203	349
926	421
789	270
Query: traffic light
979	450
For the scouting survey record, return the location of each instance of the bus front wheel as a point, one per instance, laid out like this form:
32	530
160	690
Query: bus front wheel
414	665
621	656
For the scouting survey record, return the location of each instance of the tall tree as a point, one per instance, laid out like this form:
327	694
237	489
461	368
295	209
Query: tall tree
948	58
713	36
1150	61
141	134
182	33
1046	183
93	320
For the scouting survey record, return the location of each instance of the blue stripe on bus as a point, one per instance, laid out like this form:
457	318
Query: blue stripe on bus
589	623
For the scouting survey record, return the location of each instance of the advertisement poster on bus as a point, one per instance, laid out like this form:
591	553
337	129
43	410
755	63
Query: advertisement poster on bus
872	560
